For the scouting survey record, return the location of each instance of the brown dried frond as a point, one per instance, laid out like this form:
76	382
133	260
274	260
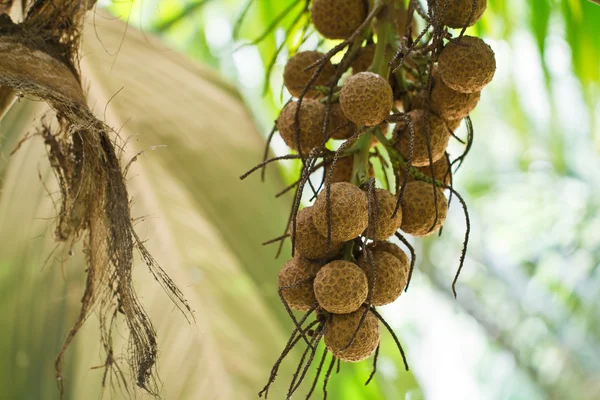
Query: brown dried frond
40	59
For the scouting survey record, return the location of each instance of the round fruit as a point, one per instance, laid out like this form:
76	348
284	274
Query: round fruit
343	170
340	333
311	118
309	243
366	98
438	138
418	209
440	171
296	283
468	65
391	276
338	19
386	224
364	59
296	77
453	124
341	287
459	13
418	101
341	128
389	247
450	104
349	212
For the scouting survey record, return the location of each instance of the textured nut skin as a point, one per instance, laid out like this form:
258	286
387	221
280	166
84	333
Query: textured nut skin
391	276
295	78
343	170
457	13
309	243
301	297
449	104
440	171
418	209
341	287
438	138
453	124
418	101
391	248
386	225
311	118
341	127
366	98
340	330
467	67
364	59
338	19
349	212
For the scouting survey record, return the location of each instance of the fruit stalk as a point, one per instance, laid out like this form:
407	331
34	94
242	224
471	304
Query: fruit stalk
360	174
384	51
399	162
386	36
349	251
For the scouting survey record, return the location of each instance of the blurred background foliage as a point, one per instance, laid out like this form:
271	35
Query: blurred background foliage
525	324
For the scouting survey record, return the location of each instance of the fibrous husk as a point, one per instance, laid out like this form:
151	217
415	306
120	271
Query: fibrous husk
418	209
296	77
308	242
438	138
40	59
349	212
340	331
295	280
341	287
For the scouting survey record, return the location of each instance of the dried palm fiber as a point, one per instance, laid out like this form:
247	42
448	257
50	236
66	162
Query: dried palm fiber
40	59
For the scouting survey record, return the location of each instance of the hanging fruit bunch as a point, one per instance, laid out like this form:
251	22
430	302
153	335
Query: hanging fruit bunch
406	78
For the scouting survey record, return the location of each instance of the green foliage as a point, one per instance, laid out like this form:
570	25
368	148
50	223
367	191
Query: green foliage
581	21
530	291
